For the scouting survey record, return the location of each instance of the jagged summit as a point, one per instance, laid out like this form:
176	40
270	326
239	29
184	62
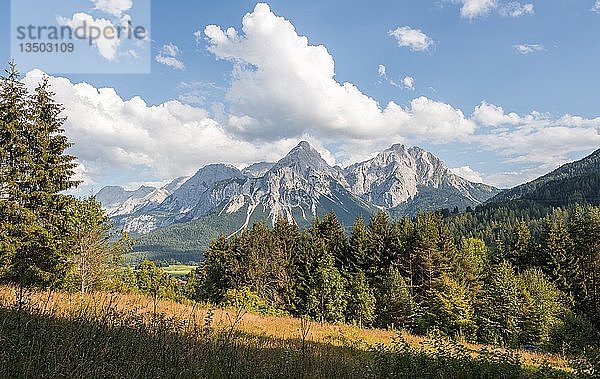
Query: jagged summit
303	157
302	185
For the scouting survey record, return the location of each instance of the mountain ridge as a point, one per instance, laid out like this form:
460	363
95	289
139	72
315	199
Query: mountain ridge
301	186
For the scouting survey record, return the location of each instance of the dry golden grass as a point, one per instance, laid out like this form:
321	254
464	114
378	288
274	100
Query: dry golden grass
61	305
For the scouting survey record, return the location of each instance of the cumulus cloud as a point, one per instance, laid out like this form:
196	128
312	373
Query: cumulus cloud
414	39
596	7
107	47
283	89
408	82
169	56
477	8
528	48
536	137
113	7
269	58
493	115
162	141
468	173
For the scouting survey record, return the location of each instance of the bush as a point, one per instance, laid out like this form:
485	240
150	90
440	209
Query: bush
249	300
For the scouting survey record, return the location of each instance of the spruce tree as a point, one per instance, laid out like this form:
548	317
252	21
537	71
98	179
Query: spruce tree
559	260
449	309
395	305
361	301
521	249
357	247
35	170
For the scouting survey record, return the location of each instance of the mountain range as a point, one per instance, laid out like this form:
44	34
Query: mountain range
299	187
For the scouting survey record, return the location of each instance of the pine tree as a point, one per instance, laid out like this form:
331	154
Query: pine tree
521	249
216	274
585	231
34	172
559	260
332	233
395	305
377	244
500	306
448	308
361	301
470	263
357	247
304	262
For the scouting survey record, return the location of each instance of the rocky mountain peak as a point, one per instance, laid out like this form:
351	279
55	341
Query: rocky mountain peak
303	158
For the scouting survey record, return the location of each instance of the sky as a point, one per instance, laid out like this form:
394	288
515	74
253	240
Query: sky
502	91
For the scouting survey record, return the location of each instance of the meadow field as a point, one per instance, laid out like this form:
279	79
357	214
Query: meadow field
56	334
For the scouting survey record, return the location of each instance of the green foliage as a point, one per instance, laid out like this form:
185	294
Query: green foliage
249	300
449	309
96	249
33	172
361	301
543	305
328	293
395	305
500	307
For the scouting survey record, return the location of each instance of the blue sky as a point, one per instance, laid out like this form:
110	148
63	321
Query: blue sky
503	91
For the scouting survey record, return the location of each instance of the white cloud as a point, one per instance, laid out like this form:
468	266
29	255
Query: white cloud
169	56
198	36
414	39
161	141
381	71
468	173
528	48
536	137
477	8
283	89
107	47
408	82
516	9
270	58
113	7
596	7
492	115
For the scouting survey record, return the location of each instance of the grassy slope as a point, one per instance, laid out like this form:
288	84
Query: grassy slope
111	335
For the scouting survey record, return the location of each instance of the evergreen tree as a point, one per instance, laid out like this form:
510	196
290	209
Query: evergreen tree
304	263
470	264
585	231
361	301
357	247
521	248
34	248
332	233
559	260
448	308
500	307
216	274
377	244
395	305
542	307
431	247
